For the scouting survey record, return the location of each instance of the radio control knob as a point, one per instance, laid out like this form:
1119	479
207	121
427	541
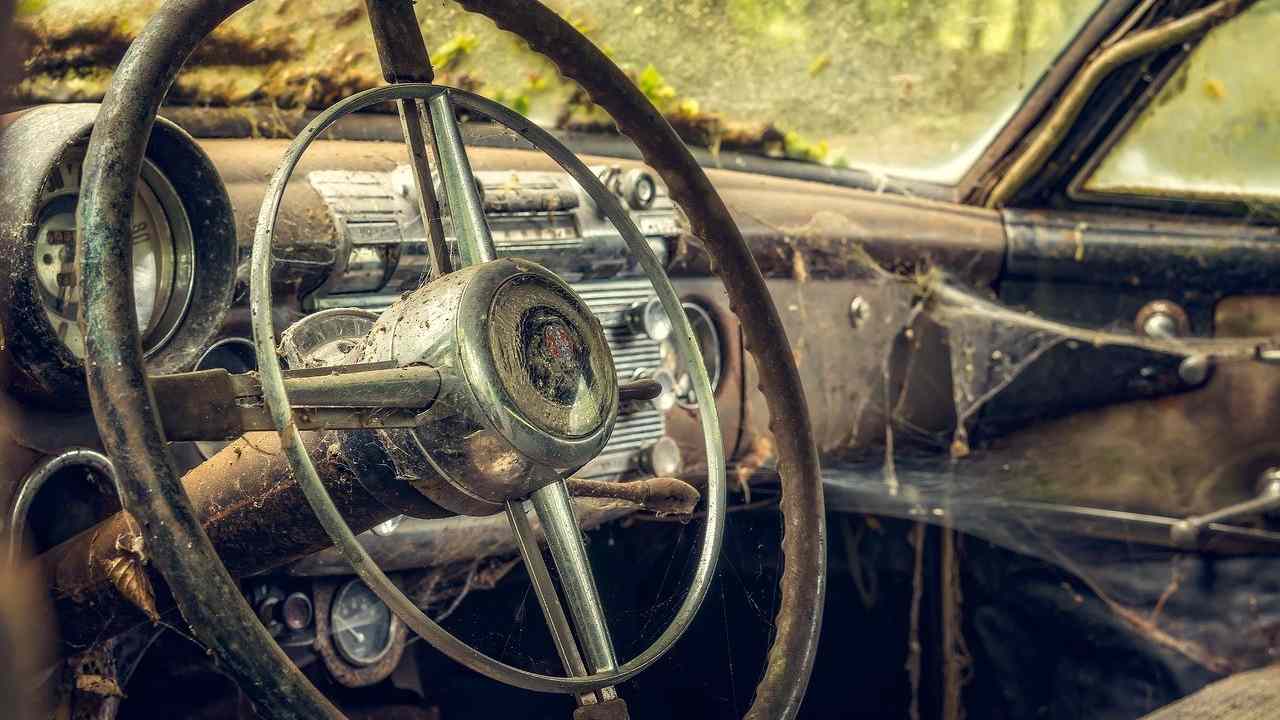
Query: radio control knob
639	189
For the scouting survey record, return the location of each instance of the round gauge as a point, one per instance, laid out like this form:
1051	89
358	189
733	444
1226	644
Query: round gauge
640	189
650	318
325	338
708	337
182	289
163	264
361	624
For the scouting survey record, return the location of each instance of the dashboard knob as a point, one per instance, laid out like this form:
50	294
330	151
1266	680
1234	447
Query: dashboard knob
639	189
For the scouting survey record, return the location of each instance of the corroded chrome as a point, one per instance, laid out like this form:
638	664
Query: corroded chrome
545	589
528	383
564	539
1186	533
413	121
466	212
327	513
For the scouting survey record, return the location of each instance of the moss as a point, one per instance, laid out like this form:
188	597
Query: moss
656	88
447	56
30	7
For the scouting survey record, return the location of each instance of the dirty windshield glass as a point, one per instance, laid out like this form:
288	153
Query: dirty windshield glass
915	88
1211	132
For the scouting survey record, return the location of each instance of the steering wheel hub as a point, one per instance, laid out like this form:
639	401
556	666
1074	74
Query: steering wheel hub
530	391
550	357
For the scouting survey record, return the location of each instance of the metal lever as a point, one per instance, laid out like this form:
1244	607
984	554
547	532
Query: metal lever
216	405
1186	533
639	391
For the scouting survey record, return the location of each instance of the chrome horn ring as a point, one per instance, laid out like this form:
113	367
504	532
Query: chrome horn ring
273	389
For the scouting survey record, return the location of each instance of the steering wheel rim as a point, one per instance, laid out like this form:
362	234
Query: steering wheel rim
275	395
206	594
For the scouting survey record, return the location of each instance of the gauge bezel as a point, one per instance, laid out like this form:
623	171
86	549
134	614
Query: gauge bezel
715	369
340	646
176	267
33	144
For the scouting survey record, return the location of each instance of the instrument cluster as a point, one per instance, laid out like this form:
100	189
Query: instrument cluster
183	240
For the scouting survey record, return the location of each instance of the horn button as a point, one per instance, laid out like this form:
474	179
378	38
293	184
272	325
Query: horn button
530	391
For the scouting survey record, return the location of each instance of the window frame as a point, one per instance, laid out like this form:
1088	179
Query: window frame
1077	193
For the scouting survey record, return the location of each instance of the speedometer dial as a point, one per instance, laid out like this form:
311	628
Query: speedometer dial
162	256
362	624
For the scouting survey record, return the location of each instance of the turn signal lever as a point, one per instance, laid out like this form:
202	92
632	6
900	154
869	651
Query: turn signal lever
216	405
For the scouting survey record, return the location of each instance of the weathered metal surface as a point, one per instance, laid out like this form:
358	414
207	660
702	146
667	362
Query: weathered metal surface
31	144
251	509
32	482
345	673
438	543
799	621
1092	271
1174	456
216	405
1144	251
889	372
811	230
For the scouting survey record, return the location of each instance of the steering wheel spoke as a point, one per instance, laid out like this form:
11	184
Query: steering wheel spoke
560	525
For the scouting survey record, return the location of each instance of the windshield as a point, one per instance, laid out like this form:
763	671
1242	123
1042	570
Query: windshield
909	88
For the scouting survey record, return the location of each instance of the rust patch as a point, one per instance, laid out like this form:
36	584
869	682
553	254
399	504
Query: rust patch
662	496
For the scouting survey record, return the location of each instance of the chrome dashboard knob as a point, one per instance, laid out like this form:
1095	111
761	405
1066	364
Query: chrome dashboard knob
639	189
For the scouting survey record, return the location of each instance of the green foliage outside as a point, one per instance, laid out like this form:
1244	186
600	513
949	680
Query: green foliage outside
909	87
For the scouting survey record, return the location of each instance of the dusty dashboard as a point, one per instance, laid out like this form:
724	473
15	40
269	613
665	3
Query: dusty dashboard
350	242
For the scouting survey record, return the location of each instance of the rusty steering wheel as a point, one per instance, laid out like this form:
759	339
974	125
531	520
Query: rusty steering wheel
208	597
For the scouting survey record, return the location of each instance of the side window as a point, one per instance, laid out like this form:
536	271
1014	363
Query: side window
1213	130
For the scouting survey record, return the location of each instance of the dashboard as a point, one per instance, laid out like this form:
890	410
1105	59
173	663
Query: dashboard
349	243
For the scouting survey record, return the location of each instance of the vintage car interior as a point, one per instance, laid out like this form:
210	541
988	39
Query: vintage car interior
847	359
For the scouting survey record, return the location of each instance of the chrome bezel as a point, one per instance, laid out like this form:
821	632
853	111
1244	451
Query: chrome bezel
714	365
492	394
347	656
175	253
